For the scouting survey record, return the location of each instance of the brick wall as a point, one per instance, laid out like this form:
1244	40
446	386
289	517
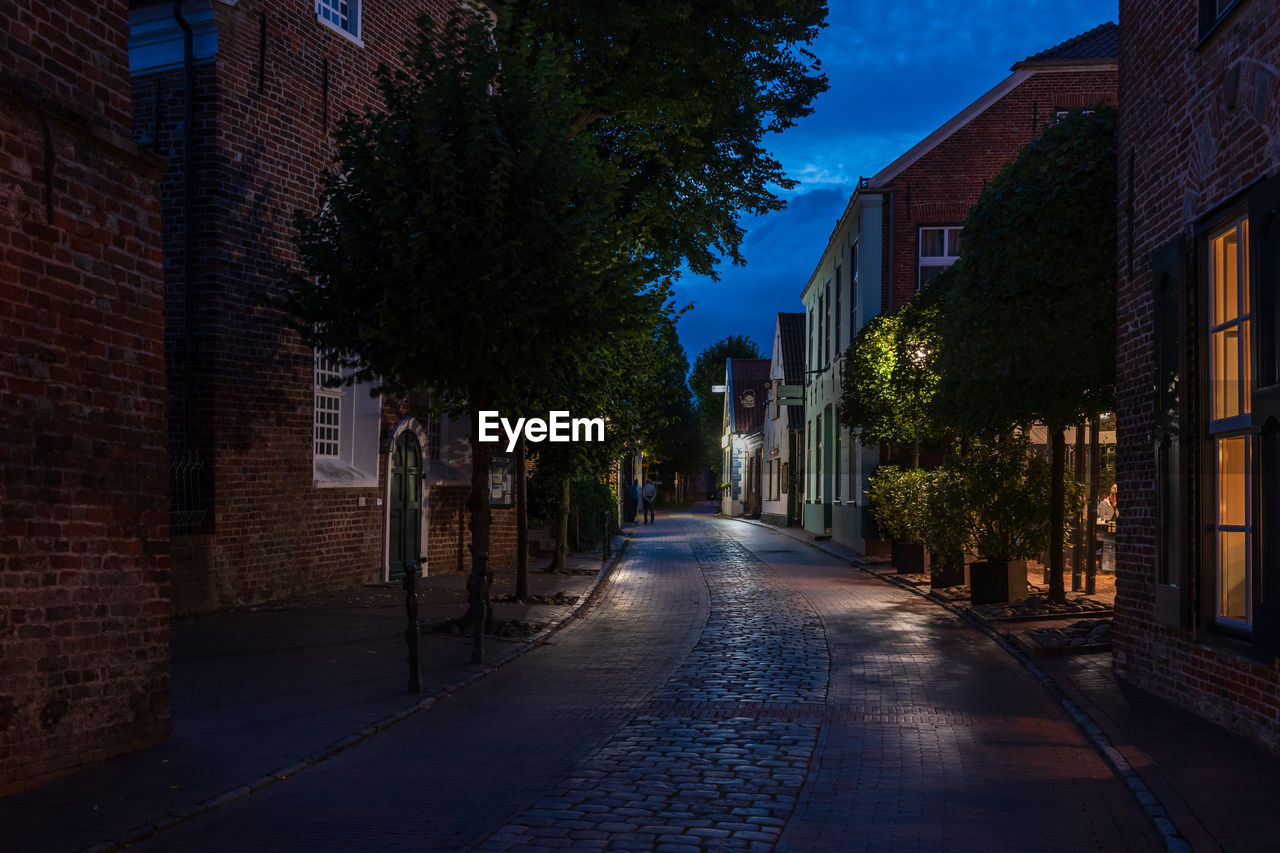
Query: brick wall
265	109
84	616
940	187
449	533
1190	154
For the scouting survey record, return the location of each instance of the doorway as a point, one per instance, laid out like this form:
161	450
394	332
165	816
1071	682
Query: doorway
405	511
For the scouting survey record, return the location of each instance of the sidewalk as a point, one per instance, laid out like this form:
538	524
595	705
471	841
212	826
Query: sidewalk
1203	787
261	693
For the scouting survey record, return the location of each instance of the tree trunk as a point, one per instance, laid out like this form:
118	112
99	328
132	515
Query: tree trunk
559	559
522	525
1057	509
478	507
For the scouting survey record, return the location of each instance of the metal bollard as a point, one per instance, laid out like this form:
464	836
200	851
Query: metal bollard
478	589
410	583
607	547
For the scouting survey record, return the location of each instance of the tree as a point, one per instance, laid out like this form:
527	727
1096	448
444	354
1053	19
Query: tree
637	383
1028	323
708	370
890	377
682	95
469	242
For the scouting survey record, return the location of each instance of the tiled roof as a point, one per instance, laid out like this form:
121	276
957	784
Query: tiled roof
791	337
1101	42
748	381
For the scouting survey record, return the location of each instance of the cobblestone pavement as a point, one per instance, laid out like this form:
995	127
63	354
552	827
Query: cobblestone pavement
718	755
730	690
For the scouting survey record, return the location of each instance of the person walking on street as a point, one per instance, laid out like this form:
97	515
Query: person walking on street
649	494
632	501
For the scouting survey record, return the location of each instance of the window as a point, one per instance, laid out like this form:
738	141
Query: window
837	309
346	424
342	15
328	405
1230	355
939	248
812	357
826	334
853	288
1212	12
433	436
822	316
835	463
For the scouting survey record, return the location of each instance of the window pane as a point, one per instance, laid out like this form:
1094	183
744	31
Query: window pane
1233	575
928	274
1226	373
1225	254
932	242
1233	480
1246	370
1245	306
953	241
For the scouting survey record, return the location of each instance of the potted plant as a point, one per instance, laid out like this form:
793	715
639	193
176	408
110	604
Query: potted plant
897	503
948	526
1008	491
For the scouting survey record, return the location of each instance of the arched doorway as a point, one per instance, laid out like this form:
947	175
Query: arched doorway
405	506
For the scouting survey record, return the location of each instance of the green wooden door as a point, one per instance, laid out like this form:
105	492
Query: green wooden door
406	503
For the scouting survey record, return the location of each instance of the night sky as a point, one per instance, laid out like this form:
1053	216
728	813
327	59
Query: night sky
897	71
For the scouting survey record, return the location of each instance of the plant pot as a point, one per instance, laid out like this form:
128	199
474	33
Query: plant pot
946	570
994	581
909	558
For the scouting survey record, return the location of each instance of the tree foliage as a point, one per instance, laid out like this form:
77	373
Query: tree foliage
1029	317
890	378
468	243
682	95
1028	322
708	370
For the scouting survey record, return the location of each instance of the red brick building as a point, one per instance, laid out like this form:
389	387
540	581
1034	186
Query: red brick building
1198	558
84	612
281	485
900	228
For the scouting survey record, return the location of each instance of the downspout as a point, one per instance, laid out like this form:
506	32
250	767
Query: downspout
188	229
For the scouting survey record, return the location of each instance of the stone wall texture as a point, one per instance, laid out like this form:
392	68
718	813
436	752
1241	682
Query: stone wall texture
84	611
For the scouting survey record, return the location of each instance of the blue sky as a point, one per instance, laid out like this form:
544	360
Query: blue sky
897	71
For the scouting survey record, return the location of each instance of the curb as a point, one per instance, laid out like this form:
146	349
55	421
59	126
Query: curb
1156	814
170	820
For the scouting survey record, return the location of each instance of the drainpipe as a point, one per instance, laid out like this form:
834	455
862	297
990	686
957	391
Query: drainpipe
188	228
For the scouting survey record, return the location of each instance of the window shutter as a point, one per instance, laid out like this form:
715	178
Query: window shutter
1264	250
1169	300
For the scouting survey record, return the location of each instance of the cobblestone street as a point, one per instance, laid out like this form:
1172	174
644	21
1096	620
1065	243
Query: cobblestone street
731	689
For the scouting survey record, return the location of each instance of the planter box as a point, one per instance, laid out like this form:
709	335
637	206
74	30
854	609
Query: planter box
909	558
992	582
946	570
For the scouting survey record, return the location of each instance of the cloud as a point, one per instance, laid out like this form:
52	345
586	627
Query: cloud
898	71
781	249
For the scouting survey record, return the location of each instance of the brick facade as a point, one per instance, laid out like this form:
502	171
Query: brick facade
1200	127
941	186
267	97
84	616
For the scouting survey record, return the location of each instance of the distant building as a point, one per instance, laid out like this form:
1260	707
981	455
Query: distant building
742	439
784	424
1198	394
84	552
900	229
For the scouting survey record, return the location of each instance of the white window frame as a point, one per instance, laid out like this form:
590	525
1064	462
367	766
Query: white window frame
329	14
346	427
327	419
934	261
